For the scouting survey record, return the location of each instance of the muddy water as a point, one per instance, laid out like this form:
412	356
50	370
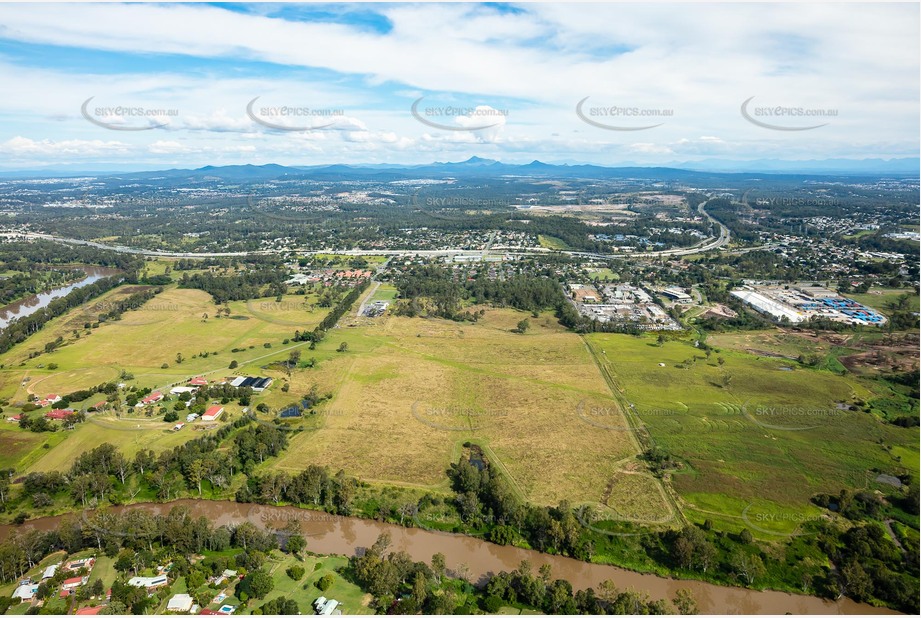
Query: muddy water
330	534
31	304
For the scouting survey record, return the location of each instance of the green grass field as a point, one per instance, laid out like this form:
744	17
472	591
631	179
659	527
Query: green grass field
551	242
384	292
749	432
604	274
880	298
350	596
141	343
151	337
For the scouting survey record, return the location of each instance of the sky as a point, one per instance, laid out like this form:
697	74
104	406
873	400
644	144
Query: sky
148	86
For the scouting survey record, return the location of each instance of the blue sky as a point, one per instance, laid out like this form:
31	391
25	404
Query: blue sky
169	84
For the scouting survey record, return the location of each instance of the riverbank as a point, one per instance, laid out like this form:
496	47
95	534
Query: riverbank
339	535
29	305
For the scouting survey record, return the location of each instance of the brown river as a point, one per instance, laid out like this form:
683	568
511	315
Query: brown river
331	534
31	304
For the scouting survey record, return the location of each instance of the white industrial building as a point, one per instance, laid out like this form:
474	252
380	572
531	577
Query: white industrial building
771	307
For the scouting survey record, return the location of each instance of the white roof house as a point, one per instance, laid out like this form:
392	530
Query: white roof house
180	603
25	592
330	606
148	582
50	571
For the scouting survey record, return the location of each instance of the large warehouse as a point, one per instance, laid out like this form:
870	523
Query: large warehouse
766	305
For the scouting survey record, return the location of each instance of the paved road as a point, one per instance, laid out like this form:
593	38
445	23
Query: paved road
367	298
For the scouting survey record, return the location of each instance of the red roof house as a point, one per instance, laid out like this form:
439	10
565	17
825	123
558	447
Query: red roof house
73	582
154	397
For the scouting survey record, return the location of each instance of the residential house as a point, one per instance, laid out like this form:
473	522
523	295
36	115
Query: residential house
150	583
25	592
82	563
73	583
154	397
180	603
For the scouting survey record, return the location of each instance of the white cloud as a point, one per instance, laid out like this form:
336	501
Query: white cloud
22	146
701	61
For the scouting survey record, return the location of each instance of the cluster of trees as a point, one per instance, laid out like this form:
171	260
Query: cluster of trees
22	328
314	487
255	283
435	291
104	473
23	256
39	423
116	308
222	392
281	606
400	585
34	281
317	334
555	596
484	498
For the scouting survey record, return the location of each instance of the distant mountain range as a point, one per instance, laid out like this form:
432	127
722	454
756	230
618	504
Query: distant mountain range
478	167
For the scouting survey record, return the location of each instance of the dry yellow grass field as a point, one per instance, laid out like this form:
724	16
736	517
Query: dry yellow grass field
409	392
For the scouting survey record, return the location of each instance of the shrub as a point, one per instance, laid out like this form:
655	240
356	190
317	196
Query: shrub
295	572
325	582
